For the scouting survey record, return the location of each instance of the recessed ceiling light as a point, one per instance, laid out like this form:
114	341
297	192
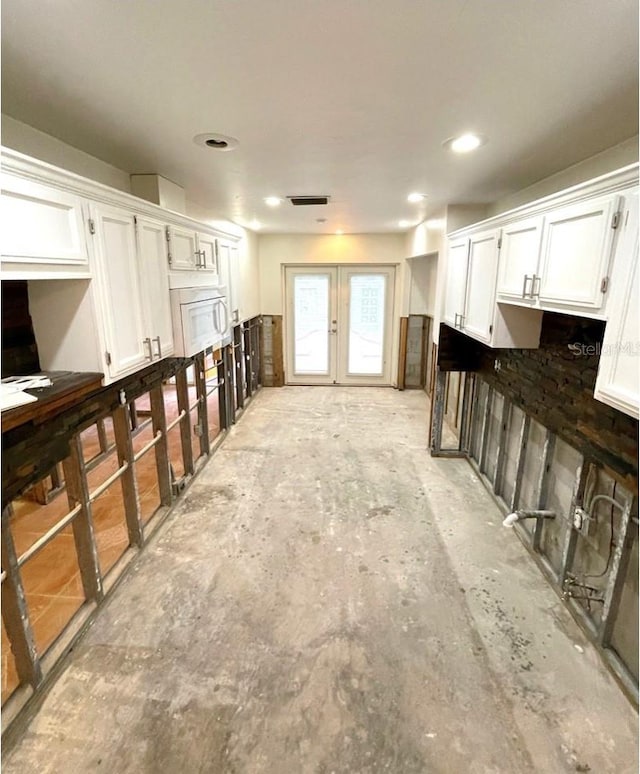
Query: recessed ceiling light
339	232
404	223
465	143
414	198
273	201
255	225
435	223
219	142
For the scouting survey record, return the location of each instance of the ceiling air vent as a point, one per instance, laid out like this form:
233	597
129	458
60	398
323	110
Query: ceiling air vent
303	201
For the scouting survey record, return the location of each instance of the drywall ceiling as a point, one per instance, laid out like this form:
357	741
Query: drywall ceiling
350	98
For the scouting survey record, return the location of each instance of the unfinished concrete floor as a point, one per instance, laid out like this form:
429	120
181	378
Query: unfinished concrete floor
329	598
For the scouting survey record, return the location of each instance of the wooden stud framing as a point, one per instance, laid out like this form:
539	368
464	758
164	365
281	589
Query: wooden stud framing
128	481
617	575
402	354
571	535
15	613
102	436
203	411
83	532
159	425
437	412
277	355
484	434
238	360
522	457
543	486
248	358
502	446
182	391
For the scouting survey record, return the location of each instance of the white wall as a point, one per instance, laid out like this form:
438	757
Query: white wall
25	139
423	277
277	250
613	158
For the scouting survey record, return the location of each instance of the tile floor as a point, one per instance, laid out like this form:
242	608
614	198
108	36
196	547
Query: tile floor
51	579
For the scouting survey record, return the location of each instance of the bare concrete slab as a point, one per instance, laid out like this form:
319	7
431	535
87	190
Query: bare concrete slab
329	598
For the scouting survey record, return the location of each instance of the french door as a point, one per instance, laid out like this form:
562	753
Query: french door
338	322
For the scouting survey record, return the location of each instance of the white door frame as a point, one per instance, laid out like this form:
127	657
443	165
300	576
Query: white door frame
339	310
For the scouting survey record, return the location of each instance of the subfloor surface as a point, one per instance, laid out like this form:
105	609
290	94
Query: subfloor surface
327	598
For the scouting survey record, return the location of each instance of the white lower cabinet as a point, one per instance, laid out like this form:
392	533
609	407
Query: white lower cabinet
618	381
42	230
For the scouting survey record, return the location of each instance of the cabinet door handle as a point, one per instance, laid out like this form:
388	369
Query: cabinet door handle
535	293
455	320
147	343
524	285
157	340
461	321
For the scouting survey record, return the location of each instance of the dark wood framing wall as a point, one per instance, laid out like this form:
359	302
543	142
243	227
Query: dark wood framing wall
524	414
33	452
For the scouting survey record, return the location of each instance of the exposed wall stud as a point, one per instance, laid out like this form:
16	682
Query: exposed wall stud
124	450
437	412
485	429
522	457
159	425
617	574
203	410
182	391
83	531
15	613
571	535
543	485
502	446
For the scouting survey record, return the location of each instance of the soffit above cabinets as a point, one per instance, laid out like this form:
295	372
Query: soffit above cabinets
353	100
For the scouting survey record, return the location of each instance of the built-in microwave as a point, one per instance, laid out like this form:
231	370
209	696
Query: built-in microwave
200	319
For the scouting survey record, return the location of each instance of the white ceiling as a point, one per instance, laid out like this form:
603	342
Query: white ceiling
351	98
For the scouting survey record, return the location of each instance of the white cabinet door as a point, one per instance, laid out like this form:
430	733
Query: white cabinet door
41	224
618	382
481	285
519	255
154	281
575	253
208	253
119	290
457	263
183	248
230	277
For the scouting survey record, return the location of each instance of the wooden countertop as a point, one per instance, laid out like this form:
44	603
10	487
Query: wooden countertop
66	389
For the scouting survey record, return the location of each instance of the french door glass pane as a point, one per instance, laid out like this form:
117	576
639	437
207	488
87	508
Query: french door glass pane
311	323
366	323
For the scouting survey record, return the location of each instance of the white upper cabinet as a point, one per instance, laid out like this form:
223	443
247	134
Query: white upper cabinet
576	250
519	255
230	277
183	248
154	283
119	295
191	250
42	230
618	381
208	252
456	285
479	307
470	291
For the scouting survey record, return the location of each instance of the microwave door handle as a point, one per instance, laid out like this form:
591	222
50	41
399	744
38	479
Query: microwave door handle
223	328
